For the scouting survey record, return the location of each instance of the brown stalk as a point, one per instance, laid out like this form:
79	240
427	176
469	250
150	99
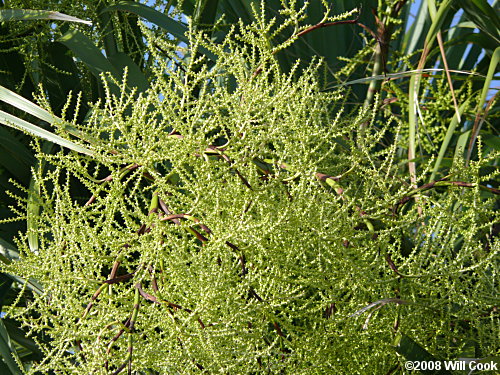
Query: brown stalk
153	299
480	116
383	37
321	25
108	179
448	76
439	183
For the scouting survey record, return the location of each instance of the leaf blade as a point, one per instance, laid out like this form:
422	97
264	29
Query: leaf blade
20	124
84	49
177	29
25	105
170	25
33	14
7	350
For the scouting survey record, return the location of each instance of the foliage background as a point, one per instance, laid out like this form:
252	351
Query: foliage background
431	288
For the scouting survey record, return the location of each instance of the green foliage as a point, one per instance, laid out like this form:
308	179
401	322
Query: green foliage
250	228
230	211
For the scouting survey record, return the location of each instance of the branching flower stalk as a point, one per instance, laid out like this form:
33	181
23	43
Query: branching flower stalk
247	229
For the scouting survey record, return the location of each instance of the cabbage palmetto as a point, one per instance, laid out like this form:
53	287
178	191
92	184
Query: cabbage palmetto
244	187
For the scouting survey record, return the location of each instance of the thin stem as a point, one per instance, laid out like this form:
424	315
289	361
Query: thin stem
321	25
